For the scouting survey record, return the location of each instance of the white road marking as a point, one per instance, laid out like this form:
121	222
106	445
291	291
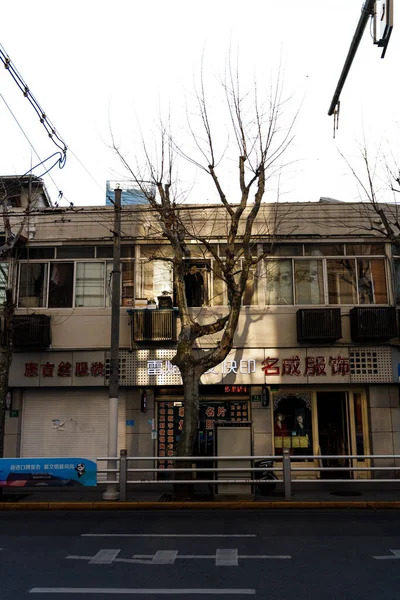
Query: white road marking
394	556
226	557
198	591
164	557
104	557
172	535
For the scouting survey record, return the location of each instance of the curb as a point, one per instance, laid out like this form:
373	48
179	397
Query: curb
285	505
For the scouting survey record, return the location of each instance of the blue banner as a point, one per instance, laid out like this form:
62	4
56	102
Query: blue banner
42	472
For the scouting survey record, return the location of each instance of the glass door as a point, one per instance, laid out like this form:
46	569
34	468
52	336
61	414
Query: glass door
342	431
359	433
334	432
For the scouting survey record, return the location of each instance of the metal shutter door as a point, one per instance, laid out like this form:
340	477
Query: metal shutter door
85	413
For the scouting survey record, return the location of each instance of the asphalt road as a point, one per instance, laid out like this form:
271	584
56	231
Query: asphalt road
270	555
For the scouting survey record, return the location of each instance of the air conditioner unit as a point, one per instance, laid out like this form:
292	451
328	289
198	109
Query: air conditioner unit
373	323
319	324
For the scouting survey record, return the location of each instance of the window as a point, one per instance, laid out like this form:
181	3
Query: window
75	251
3	281
220	291
279	282
342	286
35	253
284	249
371	281
197	283
220	297
365	249
61	284
154	278
250	294
106	251
126	252
397	281
293	425
323	250
32	285
309	282
92	282
128	278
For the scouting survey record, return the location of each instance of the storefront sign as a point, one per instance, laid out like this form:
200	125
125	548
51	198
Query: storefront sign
31	472
58	369
314	366
64	369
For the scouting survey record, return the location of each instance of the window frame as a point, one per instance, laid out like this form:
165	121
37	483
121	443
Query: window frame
324	259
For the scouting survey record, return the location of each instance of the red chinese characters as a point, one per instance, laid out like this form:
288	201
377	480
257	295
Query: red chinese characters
339	365
81	369
269	366
64	369
314	366
31	369
291	366
48	369
97	369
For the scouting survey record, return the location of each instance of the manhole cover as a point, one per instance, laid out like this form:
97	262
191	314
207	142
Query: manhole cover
345	493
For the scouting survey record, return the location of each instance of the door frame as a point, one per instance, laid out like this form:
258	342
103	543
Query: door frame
351	426
349	391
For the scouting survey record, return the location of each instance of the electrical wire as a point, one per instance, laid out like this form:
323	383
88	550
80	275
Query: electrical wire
44	120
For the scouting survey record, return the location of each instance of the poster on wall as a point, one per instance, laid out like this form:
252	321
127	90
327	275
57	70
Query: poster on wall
44	472
171	419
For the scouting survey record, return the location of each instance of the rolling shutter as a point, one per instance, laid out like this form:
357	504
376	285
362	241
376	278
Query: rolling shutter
84	414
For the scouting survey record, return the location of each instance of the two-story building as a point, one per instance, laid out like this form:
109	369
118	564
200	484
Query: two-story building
314	366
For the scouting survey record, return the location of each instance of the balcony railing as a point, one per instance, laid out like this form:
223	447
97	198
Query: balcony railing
32	331
154	325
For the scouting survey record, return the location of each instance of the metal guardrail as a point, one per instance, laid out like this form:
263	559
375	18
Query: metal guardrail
281	464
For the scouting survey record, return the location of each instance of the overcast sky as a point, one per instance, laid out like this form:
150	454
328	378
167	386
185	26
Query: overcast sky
92	65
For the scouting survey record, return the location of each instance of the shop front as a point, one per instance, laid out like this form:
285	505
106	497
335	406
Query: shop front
219	405
322	422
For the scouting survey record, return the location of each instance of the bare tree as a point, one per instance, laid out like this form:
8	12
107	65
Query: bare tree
14	227
378	182
261	140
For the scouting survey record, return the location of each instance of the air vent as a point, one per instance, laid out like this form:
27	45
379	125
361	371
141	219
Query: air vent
373	323
319	324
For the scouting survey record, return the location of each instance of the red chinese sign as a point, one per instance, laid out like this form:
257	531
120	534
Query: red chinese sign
314	366
64	369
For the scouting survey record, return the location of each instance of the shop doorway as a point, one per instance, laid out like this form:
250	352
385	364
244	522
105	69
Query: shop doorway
334	432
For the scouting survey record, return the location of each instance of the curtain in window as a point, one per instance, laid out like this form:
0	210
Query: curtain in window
371	281
32	284
342	287
279	288
309	282
89	290
3	281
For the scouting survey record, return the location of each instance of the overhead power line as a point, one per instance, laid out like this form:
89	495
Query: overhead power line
44	120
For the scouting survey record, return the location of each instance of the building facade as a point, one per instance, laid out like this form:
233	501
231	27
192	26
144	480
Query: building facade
315	363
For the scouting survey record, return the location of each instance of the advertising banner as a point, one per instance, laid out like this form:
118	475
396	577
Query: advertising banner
43	472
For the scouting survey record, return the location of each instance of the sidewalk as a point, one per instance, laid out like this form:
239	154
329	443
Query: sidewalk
159	496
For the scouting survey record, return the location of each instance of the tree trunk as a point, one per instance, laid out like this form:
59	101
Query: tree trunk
191	381
6	352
